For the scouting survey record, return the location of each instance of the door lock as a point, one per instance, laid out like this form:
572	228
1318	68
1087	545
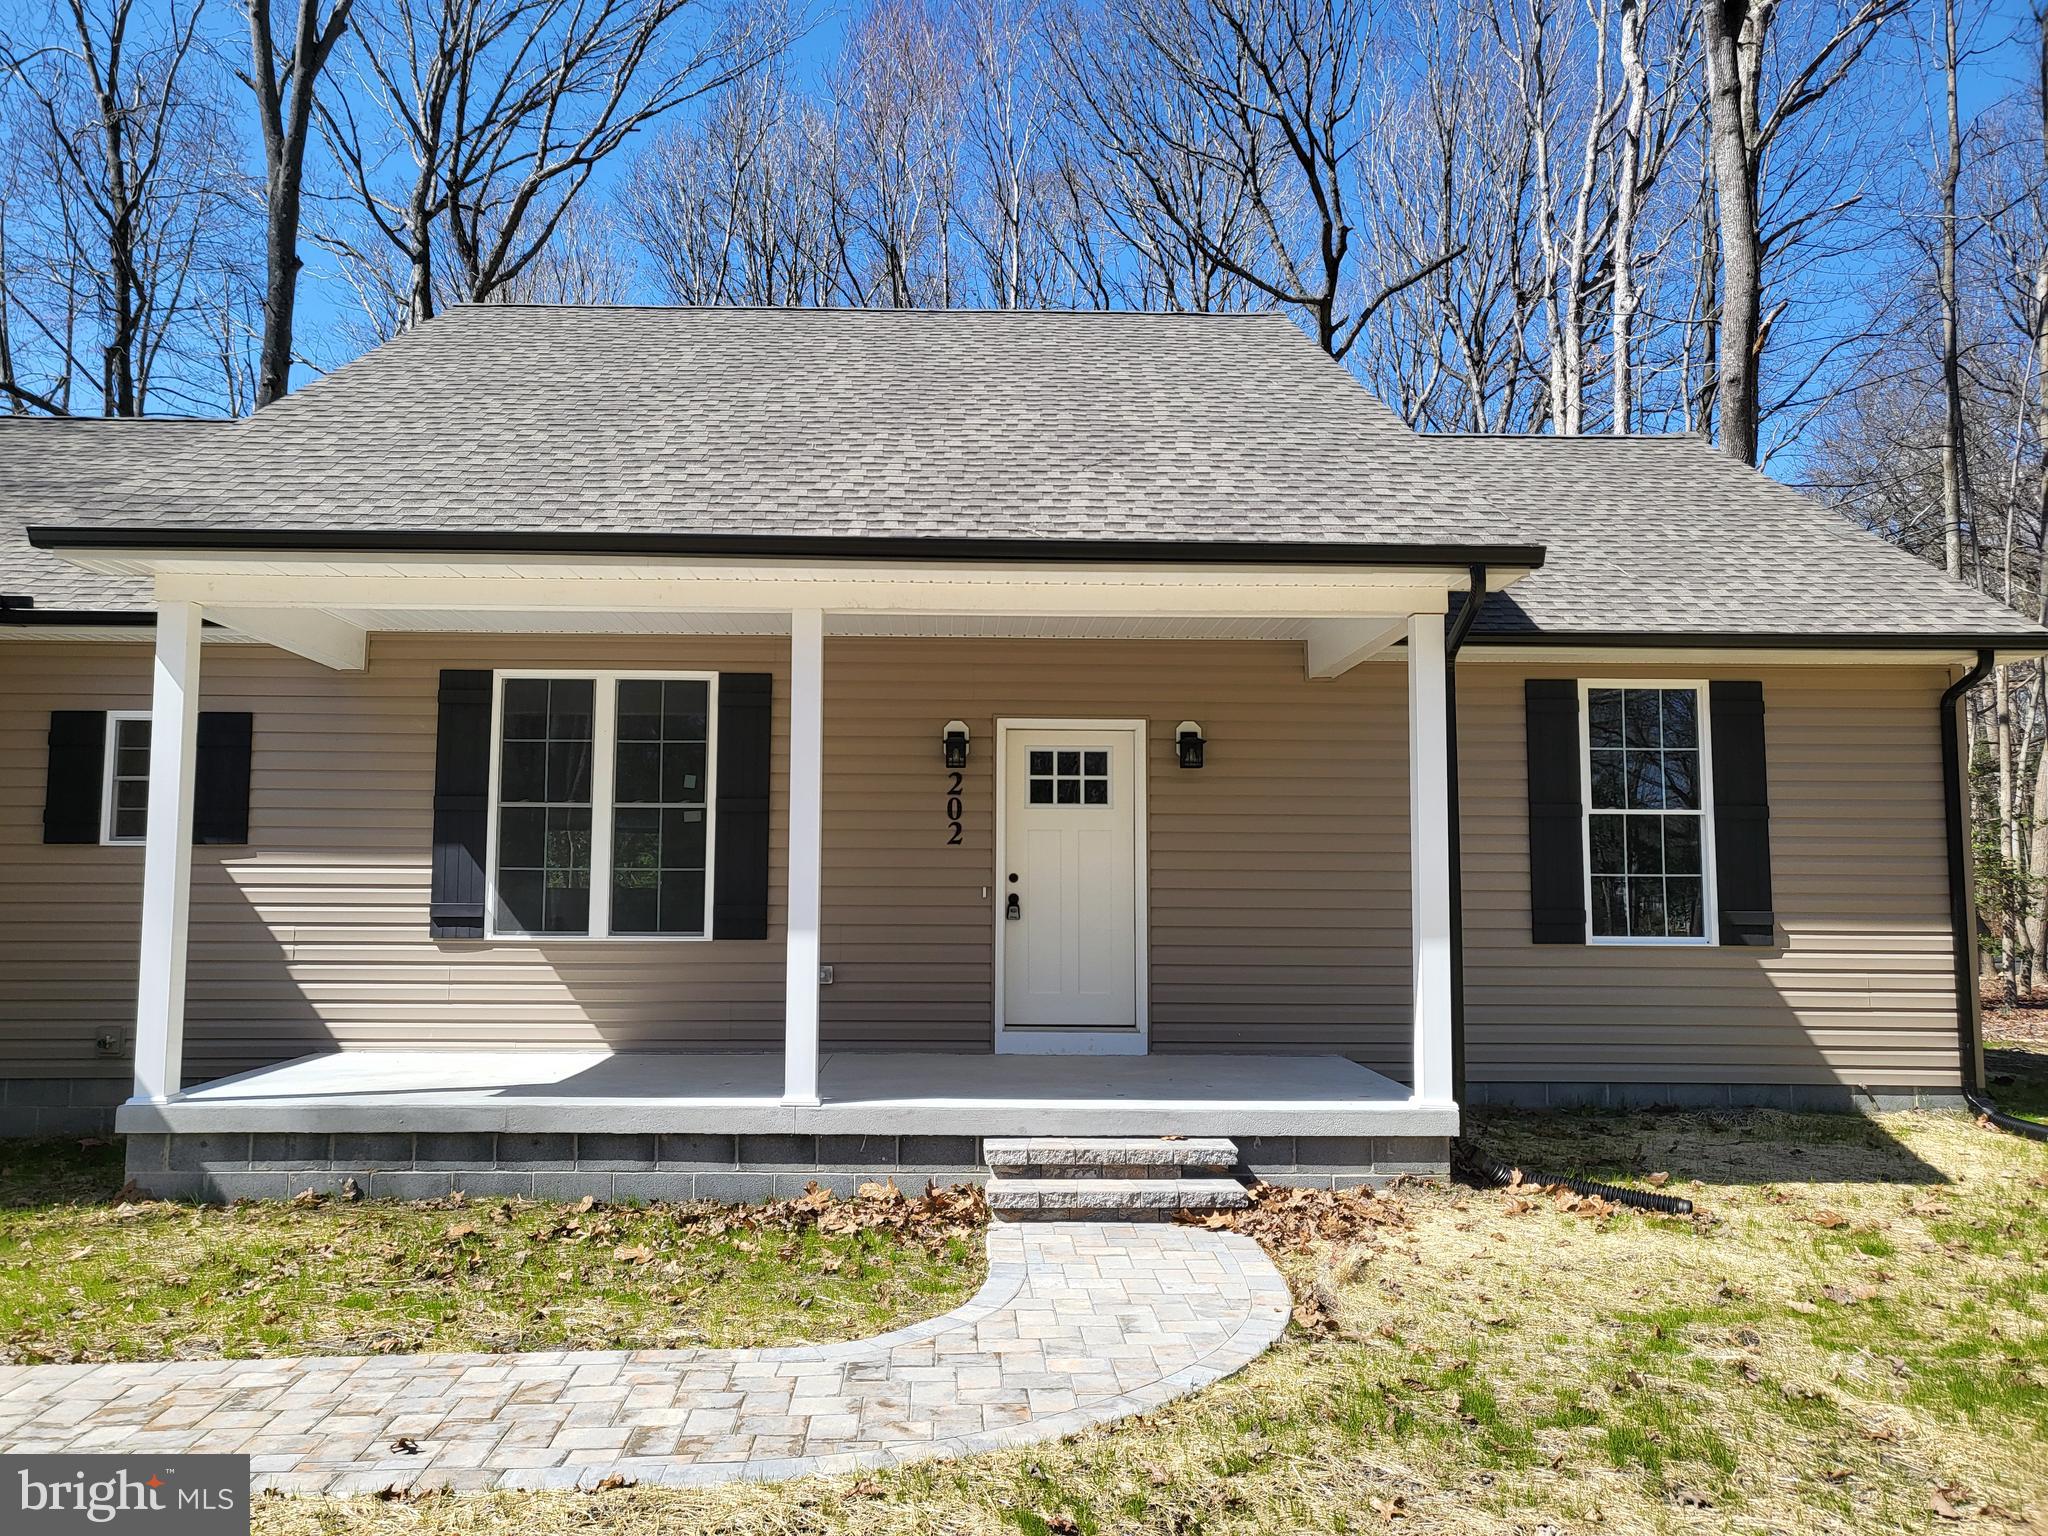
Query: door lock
1013	910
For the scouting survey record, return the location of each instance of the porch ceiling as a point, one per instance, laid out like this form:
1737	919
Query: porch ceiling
861	1093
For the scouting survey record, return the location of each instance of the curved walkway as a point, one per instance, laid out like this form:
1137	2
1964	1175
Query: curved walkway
1079	1323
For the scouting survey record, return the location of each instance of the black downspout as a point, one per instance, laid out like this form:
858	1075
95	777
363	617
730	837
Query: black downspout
1956	818
1475	598
1475	1161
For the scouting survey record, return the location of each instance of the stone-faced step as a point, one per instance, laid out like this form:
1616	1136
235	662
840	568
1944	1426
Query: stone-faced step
1127	1157
1078	1198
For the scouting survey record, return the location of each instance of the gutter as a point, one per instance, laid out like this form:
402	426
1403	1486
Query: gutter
1969	1031
787	546
2028	643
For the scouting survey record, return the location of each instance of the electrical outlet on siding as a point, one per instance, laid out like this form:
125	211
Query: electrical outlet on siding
824	975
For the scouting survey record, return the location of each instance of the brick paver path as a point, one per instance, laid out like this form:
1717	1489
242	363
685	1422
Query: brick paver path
1079	1323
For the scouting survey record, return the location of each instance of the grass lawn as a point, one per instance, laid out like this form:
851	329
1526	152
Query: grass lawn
2016	1071
1850	1336
85	1277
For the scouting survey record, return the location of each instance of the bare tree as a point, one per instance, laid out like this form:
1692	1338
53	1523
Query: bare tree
1265	95
120	193
1753	95
284	77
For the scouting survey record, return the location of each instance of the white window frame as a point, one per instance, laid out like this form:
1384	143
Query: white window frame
110	751
1709	906
604	731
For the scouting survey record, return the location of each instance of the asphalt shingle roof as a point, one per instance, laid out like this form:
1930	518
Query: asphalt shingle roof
71	469
498	420
1667	535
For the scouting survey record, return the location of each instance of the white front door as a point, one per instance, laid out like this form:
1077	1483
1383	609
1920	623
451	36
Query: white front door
1067	894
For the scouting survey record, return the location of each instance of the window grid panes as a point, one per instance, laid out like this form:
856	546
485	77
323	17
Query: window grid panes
1645	824
659	781
547	741
128	785
1068	776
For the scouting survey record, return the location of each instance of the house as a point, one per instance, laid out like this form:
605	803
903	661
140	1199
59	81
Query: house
652	751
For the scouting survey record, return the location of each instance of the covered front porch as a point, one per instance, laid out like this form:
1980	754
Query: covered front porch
1388	607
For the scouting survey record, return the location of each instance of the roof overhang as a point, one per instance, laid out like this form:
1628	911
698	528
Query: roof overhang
320	595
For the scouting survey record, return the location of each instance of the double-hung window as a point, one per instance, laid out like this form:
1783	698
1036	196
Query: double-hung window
124	798
1649	843
601	805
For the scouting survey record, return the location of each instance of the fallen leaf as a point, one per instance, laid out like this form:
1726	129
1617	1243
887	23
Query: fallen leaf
1938	1500
636	1254
612	1480
1658	1180
405	1445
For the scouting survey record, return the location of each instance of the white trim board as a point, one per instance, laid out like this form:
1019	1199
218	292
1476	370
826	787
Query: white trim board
1077	1042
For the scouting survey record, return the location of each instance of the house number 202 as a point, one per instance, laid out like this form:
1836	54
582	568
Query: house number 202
952	810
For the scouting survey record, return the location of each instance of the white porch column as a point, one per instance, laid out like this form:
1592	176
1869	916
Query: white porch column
1429	852
167	854
806	831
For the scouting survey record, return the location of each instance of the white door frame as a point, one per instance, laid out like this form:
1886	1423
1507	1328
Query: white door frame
1076	1042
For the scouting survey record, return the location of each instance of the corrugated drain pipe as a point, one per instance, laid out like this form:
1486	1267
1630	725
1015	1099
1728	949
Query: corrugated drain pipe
1955	804
1470	1157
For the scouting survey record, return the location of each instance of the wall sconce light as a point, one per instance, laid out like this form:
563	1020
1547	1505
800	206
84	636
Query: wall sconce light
955	739
1187	740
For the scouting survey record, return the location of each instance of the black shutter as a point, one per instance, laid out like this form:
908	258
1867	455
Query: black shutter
220	802
1742	814
739	885
462	786
1557	859
76	779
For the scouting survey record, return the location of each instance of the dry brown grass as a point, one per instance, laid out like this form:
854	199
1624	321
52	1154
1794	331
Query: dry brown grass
1851	1337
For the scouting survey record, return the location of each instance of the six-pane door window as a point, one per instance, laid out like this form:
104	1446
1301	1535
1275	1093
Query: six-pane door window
1645	823
602	807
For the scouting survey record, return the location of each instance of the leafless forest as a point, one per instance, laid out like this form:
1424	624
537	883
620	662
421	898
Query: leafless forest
1816	230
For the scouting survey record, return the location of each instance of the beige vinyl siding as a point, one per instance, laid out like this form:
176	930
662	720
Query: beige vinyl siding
1860	988
315	934
1278	871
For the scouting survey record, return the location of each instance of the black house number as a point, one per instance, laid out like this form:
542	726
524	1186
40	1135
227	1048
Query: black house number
952	810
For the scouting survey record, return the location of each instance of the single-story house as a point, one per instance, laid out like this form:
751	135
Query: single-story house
668	751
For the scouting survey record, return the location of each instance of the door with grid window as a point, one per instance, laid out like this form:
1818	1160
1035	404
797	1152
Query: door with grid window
1068	887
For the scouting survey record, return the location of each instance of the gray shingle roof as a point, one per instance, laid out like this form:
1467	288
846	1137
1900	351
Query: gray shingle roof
1667	535
853	423
1175	429
71	470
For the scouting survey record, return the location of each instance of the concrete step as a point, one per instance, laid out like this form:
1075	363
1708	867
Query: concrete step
1125	1157
1089	1199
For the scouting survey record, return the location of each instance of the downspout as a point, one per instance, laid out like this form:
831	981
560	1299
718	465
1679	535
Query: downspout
1475	1161
1961	922
1475	598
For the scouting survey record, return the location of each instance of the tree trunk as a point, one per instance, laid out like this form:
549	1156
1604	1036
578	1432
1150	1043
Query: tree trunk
1627	170
1730	35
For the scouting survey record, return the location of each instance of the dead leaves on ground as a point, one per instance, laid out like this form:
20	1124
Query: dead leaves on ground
1293	1218
934	1218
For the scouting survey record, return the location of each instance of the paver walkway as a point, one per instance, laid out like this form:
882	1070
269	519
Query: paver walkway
1079	1323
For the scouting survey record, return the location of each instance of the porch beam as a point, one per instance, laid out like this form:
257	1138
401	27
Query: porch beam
806	860
167	855
307	632
1206	594
1335	646
1429	833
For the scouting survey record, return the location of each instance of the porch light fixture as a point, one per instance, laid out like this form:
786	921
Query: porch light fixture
955	739
1187	740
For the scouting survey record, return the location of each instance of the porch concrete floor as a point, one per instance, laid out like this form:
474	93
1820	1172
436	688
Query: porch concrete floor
863	1093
